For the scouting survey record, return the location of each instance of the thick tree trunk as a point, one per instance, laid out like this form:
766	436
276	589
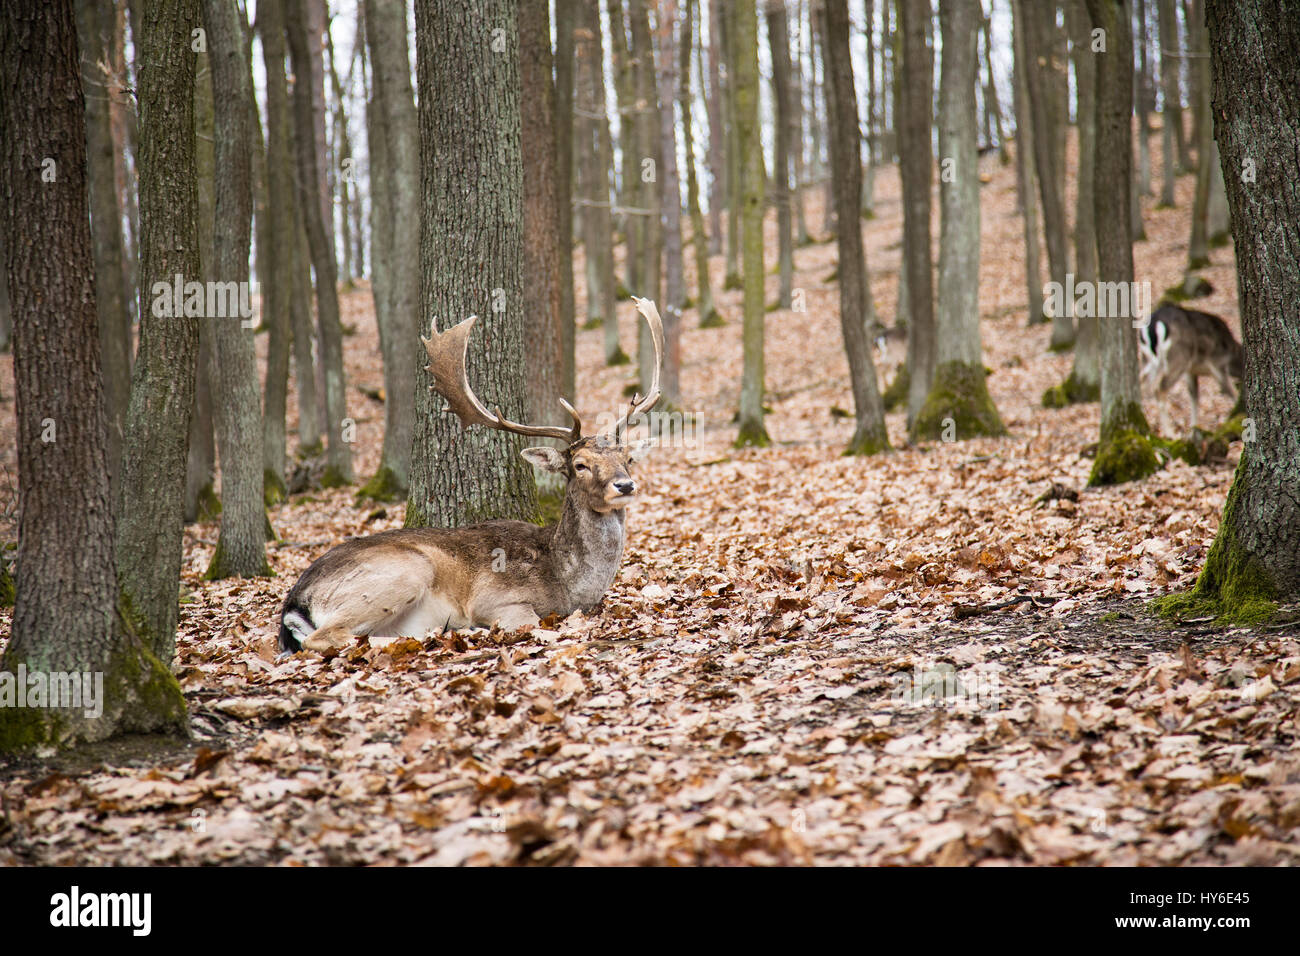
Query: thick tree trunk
240	547
395	227
917	163
308	116
958	405
671	205
277	284
857	314
201	502
1143	96
1255	559
95	21
1124	453
1207	158
162	388
778	35
67	618
471	258
742	41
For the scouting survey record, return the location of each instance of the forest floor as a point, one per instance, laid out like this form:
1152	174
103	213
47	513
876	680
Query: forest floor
806	658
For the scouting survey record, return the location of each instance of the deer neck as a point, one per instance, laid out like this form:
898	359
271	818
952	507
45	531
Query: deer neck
586	551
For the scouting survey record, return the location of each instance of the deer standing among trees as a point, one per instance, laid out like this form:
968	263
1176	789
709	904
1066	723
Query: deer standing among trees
410	581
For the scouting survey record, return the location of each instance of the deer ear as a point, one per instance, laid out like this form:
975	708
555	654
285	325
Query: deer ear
544	457
639	449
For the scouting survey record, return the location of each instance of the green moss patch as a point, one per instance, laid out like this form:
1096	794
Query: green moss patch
1071	392
958	406
1126	456
384	486
895	396
274	490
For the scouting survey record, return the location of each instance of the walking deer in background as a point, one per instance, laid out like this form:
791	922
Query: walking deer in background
1179	342
408	582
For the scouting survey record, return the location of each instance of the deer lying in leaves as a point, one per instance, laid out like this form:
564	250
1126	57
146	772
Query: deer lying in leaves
408	582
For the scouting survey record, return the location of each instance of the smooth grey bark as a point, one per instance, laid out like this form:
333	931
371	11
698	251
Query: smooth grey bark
704	305
715	103
1084	382
651	178
1171	117
471	258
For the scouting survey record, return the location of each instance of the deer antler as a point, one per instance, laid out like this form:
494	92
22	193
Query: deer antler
640	405
447	352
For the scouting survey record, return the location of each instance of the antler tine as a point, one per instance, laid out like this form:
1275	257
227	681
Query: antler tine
639	404
447	351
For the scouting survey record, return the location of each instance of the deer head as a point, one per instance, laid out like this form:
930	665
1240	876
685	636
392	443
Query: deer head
596	468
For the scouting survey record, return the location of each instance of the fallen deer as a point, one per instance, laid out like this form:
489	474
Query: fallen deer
408	582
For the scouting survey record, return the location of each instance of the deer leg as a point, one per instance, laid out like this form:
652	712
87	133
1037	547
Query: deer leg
1194	391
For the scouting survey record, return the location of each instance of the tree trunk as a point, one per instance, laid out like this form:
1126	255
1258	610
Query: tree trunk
1083	383
1171	117
801	236
277	284
992	104
471	258
1026	176
869	166
1124	453
1143	95
1207	159
201	502
726	27
651	176
742	42
1255	559
162	388
857	314
916	162
541	282
395	229
240	547
1033	15
704	305
778	36
594	152
308	116
958	405
95	29
342	166
715	101
564	83
631	149
67	615
670	204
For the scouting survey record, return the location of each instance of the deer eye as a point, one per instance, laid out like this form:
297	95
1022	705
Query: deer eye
579	466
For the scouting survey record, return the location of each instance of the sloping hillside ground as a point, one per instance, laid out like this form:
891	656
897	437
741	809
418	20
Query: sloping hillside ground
806	658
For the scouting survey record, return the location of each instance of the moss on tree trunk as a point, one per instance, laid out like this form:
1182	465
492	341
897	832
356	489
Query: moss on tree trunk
958	406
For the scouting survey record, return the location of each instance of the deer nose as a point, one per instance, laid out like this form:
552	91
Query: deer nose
625	487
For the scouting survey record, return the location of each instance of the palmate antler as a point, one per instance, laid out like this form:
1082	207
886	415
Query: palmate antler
639	404
447	351
447	365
